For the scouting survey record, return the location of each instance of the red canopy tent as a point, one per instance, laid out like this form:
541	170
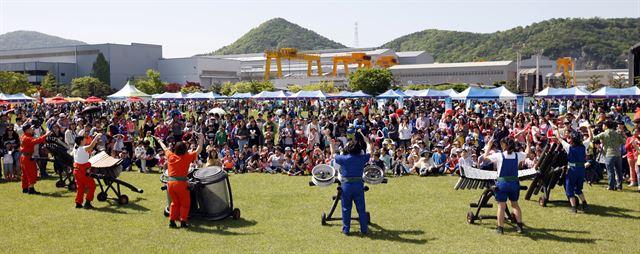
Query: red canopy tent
56	100
93	99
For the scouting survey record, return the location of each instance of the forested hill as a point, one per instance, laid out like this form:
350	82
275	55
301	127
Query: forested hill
596	43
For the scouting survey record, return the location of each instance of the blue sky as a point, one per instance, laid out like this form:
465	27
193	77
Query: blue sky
190	27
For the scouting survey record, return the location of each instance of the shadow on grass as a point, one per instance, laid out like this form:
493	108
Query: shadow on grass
58	194
377	232
114	207
221	227
548	234
604	211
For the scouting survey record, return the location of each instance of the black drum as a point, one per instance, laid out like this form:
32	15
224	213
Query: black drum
213	193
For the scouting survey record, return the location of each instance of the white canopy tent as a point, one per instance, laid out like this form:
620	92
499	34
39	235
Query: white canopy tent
128	91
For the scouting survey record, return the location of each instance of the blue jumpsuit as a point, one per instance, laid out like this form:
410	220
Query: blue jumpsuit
508	184
577	156
352	167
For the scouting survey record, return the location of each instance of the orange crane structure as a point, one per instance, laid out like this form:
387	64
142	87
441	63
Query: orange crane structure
362	59
386	61
568	70
290	54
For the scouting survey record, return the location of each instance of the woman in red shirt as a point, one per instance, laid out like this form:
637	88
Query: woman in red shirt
631	156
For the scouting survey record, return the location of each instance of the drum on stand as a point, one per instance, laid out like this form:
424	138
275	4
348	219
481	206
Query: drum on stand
373	174
213	193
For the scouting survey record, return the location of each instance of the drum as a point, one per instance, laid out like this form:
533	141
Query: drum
164	178
323	175
213	193
373	174
106	165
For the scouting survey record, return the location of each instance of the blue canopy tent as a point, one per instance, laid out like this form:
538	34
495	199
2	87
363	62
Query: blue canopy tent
391	94
240	96
166	96
360	94
204	96
19	97
562	93
435	94
266	95
309	95
609	92
414	93
476	93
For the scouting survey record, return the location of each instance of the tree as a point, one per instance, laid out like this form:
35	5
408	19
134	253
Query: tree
618	80
101	69
371	81
50	86
295	88
151	84
172	87
13	82
226	88
594	82
637	79
89	86
191	87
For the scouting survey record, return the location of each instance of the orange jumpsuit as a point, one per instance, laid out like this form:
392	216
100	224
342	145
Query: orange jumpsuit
178	167
83	182
29	169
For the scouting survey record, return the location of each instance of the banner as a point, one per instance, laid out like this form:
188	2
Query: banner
520	104
448	104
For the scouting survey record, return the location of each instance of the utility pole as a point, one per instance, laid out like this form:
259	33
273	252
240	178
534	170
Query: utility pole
538	54
517	48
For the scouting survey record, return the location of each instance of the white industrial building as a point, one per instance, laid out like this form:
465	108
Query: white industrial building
442	73
69	62
205	70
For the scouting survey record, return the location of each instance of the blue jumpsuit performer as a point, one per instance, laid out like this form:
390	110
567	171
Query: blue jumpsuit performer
352	164
577	157
507	184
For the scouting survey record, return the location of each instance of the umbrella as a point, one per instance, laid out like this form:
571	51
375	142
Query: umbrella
90	110
135	99
56	100
218	111
93	99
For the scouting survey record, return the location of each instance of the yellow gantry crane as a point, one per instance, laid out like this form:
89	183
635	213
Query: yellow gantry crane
386	61
567	66
289	54
362	59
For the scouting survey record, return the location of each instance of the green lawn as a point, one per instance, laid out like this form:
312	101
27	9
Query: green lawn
281	214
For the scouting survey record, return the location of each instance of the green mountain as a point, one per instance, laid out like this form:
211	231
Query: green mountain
596	43
30	39
277	33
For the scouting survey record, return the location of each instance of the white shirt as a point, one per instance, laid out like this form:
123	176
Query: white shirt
80	155
404	132
497	158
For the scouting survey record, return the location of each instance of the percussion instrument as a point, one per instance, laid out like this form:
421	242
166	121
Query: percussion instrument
373	174
323	175
63	162
211	196
552	167
106	170
473	178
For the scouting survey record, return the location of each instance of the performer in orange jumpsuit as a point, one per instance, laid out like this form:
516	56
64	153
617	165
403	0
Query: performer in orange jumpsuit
29	169
81	164
178	169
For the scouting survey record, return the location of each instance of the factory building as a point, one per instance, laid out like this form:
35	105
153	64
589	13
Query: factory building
441	73
69	62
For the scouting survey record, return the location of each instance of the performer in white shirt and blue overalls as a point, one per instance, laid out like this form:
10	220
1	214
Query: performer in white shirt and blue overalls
507	163
577	157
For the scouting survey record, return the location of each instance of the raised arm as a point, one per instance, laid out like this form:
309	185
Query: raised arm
200	142
161	143
94	142
487	147
366	141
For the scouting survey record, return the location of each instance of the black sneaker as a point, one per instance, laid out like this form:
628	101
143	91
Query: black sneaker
172	224
585	206
33	191
499	230
78	205
184	224
520	228
345	233
87	205
573	209
25	191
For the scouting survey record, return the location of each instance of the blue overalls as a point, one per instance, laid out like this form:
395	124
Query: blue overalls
507	182
351	169
575	176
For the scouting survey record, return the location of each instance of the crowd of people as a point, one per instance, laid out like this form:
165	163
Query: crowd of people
420	137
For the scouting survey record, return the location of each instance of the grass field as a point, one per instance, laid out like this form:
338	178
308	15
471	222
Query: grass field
281	214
